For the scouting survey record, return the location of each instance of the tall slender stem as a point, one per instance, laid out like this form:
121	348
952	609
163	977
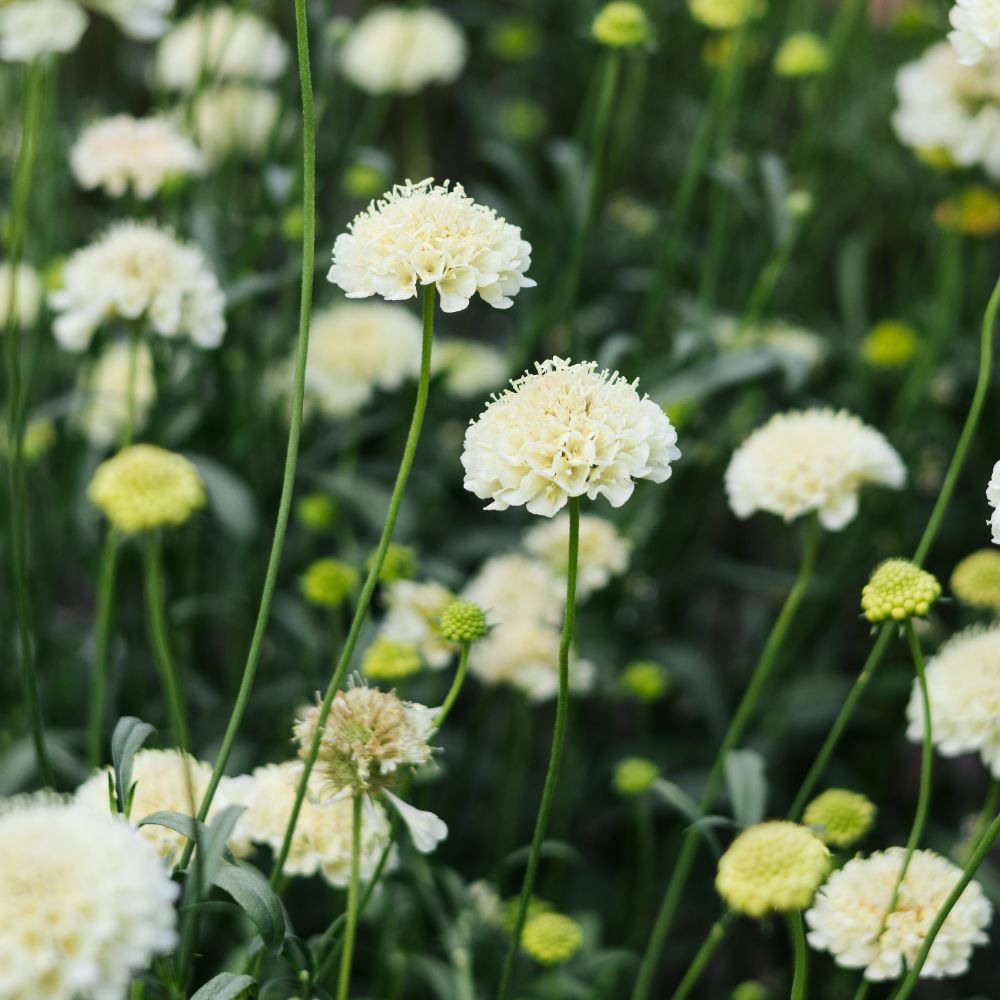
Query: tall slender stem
705	952
689	845
456	686
102	643
344	979
800	974
558	739
989	810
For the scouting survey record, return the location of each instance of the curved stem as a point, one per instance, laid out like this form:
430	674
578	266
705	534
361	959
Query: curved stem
712	941
689	846
800	974
456	686
988	811
558	739
344	979
102	642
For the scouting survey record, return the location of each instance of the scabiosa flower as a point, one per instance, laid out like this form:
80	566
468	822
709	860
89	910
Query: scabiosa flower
329	582
621	24
103	393
897	590
634	775
414	610
566	431
849	910
143	488
773	866
84	902
976	33
726	15
392	50
976	580
462	622
810	460
513	588
136	271
140	19
603	553
235	121
370	738
646	680
386	660
993	499
840	818
551	938
963	682
431	234
33	28
467	368
20	294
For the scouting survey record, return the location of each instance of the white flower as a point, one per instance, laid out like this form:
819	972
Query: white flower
23	285
356	348
84	903
810	460
945	107
135	271
33	28
849	908
139	19
566	431
993	499
392	50
322	839
235	121
977	29
468	368
221	44
431	234
413	610
603	552
514	588
104	393
963	683
426	829
116	152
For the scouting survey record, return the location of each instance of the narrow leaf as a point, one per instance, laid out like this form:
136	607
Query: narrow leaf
187	826
225	986
257	899
129	735
747	786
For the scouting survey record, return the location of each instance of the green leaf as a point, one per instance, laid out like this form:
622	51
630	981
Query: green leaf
129	735
678	799
230	498
225	986
747	786
187	826
257	899
212	846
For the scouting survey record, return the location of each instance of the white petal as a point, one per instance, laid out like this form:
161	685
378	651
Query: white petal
426	829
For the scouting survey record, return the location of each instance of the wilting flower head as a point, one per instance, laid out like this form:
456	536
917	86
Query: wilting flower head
514	588
387	660
840	818
802	54
646	680
468	368
772	866
976	579
116	152
235	121
725	15
136	271
329	582
963	682
33	28
566	431
392	50
221	44
890	343
849	909
414	609
24	287
897	590
810	460
603	553
621	25
993	499
431	234
84	902
634	775
976	33
462	622
143	488
104	392
551	938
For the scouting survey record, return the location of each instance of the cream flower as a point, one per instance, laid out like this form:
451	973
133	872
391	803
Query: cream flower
976	25
236	121
514	588
993	499
33	28
120	151
104	393
138	272
221	44
963	682
431	234
566	431
468	368
849	909
84	903
603	552
393	50
140	19
20	292
414	610
356	349
810	460
322	839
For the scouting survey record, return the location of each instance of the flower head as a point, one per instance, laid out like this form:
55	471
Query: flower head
413	618
387	660
134	272
105	389
993	499
897	590
850	908
725	15
802	54
772	866
144	487
646	680
20	294
431	234
603	553
566	431
976	580
810	460
513	588
468	368
33	28
329	582
621	24
316	511
974	212
634	775
976	33
551	938
840	818
463	622
890	343
400	563
235	120
84	902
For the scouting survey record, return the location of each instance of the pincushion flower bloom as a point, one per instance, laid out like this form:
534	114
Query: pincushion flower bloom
413	617
104	393
467	368
976	580
20	294
431	234
235	121
513	588
84	902
395	50
963	683
976	33
140	19
121	151
33	28
849	910
566	430
603	553
993	499
138	272
810	460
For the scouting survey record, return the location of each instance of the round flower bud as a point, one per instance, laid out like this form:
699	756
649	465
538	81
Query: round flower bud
511	906
551	938
840	818
387	660
976	580
634	775
751	990
975	212
646	680
621	25
898	590
316	511
463	621
400	564
889	344
144	487
772	866
802	54
329	582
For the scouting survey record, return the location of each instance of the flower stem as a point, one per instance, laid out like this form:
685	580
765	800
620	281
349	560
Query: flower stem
989	810
102	642
558	739
692	837
456	685
368	590
705	953
800	974
350	930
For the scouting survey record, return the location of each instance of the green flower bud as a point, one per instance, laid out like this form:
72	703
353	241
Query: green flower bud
621	25
840	818
634	775
463	621
400	564
802	54
386	660
646	680
329	582
898	590
976	580
551	938
316	512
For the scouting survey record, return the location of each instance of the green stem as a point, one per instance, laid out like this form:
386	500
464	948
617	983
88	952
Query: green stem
712	941
375	569
989	810
800	974
350	931
692	837
456	686
102	643
558	739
